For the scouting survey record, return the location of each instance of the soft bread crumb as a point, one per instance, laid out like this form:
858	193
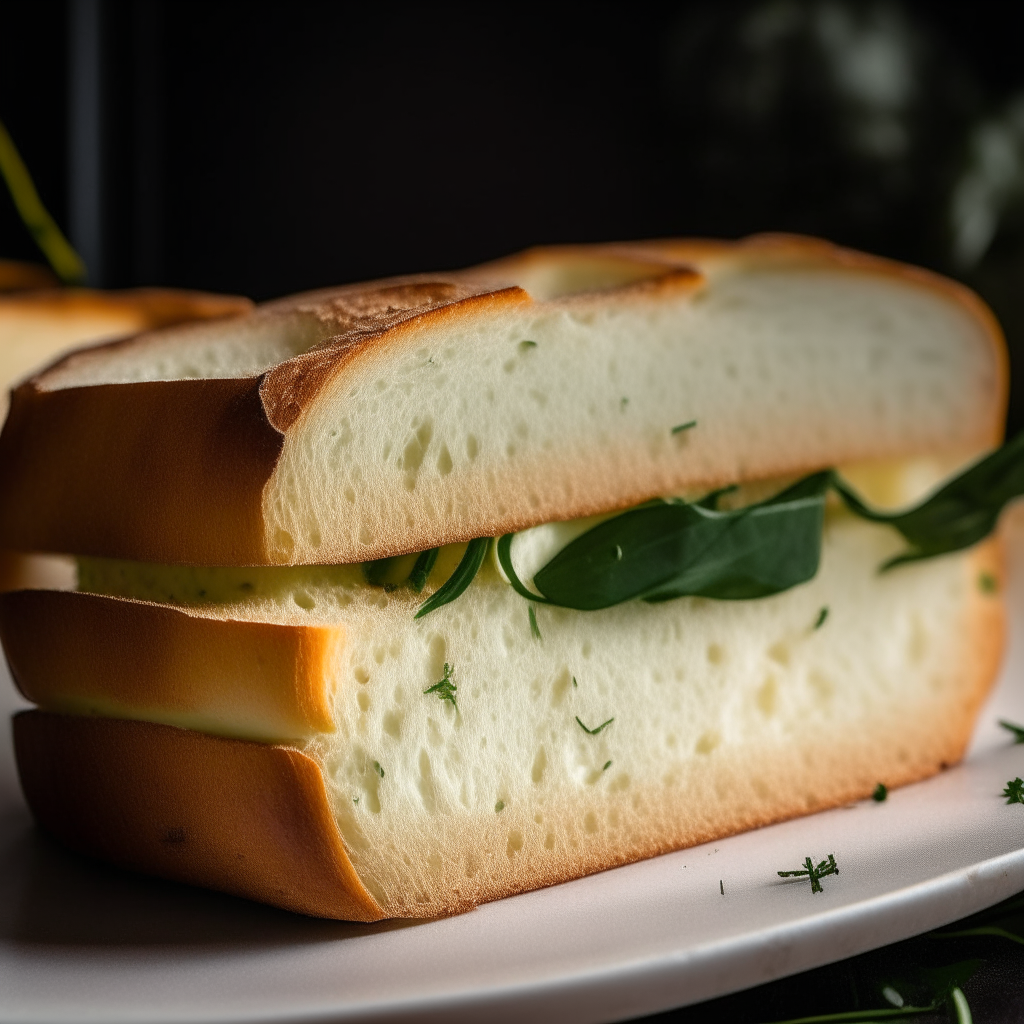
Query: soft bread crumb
473	404
726	715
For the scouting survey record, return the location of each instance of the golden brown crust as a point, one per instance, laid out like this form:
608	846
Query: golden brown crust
144	308
192	486
36	325
86	654
292	386
183	805
245	818
18	276
193	456
134	485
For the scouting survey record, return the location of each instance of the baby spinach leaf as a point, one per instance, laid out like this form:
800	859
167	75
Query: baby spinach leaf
671	549
959	514
665	549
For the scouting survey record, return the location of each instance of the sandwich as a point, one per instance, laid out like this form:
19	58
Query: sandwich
391	599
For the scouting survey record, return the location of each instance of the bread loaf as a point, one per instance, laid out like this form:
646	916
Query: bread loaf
230	691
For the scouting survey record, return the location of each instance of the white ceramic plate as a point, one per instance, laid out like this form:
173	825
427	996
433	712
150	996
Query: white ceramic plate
80	942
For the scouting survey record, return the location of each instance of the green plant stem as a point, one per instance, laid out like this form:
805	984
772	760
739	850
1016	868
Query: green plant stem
66	263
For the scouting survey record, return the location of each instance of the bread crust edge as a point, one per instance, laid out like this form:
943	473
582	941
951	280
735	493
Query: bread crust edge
245	818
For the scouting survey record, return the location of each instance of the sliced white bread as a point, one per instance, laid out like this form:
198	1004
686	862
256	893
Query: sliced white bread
393	416
615	735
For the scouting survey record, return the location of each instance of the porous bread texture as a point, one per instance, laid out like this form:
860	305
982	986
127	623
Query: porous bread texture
727	715
395	416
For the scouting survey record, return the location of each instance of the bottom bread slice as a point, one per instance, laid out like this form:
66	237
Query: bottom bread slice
246	818
610	737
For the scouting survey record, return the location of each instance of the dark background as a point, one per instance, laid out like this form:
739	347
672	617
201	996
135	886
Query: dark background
267	148
264	149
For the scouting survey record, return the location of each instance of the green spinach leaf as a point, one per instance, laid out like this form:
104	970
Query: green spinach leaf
959	514
671	549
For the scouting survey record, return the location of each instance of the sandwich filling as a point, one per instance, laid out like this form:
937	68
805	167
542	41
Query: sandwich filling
293	589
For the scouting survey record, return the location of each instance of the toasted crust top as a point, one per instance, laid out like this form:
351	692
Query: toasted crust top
16	275
233	440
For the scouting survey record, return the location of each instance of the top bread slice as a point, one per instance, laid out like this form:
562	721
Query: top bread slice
394	416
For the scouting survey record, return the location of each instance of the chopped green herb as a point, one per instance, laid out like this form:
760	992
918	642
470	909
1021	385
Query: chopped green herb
987	583
574	684
499	807
423	567
594	732
355	799
534	628
721	886
1017	730
607	765
524	345
683	426
377	768
822	616
445	688
465	572
623	402
1014	791
881	793
825	867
